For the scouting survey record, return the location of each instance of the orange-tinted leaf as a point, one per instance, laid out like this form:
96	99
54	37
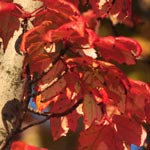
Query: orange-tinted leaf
19	145
40	106
91	110
99	137
120	49
129	131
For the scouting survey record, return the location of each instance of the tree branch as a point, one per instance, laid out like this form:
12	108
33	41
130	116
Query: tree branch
51	115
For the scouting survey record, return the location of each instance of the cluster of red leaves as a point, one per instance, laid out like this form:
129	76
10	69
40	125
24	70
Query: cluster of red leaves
117	10
63	51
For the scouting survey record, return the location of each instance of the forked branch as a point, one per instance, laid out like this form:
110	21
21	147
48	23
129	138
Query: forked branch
51	115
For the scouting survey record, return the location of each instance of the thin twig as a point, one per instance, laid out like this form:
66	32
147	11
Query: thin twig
36	112
52	115
37	11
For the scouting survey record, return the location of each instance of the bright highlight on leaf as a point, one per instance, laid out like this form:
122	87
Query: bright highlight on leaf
68	71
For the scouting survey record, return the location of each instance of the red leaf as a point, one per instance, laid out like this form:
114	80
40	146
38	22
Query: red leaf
73	120
59	127
121	12
91	110
6	7
119	134
118	11
19	145
147	111
75	2
7	0
53	90
63	102
9	23
59	12
91	19
32	39
129	131
65	8
106	76
102	8
99	137
120	49
69	31
138	99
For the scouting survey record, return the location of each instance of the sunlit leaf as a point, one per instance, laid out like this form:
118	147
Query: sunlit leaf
120	49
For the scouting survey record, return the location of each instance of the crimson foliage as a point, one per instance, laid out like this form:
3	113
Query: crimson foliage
71	71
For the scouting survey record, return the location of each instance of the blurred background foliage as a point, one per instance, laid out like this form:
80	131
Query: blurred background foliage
40	135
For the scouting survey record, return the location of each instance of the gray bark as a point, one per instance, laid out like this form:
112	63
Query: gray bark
11	85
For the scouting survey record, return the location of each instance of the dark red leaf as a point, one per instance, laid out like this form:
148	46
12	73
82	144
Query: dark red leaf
120	49
91	19
64	7
102	8
73	120
59	127
118	11
121	12
58	12
32	40
138	99
9	22
69	31
99	137
129	130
